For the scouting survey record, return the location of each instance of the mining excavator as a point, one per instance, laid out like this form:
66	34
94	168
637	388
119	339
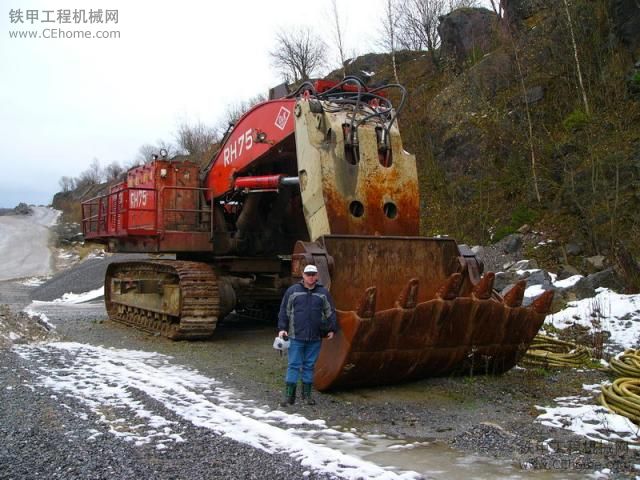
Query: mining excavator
316	176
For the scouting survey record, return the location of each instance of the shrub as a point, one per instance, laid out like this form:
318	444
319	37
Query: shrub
576	120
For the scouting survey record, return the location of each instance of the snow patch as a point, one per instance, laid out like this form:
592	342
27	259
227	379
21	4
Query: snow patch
579	415
34	281
114	385
615	312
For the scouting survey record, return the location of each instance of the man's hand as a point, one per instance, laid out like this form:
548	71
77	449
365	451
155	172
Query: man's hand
282	333
330	335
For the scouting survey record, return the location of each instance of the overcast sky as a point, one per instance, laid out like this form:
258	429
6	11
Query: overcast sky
64	102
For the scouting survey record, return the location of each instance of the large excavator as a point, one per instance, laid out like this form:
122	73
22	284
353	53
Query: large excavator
317	176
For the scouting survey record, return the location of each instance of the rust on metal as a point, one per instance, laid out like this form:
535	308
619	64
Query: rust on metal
514	297
408	308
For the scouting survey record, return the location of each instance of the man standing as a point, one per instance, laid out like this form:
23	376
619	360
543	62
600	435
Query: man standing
306	315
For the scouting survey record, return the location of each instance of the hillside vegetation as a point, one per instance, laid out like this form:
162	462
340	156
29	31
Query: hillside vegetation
507	132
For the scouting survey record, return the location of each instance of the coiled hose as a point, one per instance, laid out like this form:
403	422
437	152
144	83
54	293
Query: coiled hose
626	364
623	395
546	351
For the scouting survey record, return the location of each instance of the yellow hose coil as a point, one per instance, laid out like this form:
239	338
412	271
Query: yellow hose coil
622	397
547	351
627	364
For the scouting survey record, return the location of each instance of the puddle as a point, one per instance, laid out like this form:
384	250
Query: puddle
438	461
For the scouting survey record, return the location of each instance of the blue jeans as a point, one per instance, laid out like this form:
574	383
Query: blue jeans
302	355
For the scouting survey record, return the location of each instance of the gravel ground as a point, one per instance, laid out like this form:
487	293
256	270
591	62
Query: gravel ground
44	437
488	416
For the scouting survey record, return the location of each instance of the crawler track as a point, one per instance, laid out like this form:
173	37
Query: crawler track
192	315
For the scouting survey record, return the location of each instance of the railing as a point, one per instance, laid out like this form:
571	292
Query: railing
145	211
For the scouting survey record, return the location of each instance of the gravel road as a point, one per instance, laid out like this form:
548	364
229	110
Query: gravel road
24	241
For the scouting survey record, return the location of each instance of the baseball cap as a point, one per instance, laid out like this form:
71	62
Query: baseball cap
310	269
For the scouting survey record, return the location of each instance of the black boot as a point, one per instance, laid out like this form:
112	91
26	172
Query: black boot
289	395
306	394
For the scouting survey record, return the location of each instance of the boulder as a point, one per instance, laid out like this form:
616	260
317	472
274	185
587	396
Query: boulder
467	33
606	278
573	248
626	23
505	280
595	263
524	265
512	243
586	287
534	94
566	271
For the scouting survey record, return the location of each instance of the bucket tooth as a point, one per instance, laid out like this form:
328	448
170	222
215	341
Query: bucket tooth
409	295
513	297
542	303
367	306
484	288
451	287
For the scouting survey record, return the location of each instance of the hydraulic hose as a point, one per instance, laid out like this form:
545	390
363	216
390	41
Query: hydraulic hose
622	397
627	364
547	351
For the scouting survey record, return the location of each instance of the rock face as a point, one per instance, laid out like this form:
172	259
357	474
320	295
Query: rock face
626	19
467	33
518	10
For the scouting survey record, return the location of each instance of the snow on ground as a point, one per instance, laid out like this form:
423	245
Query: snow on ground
620	315
34	281
114	385
535	290
74	298
614	312
581	415
40	318
36	308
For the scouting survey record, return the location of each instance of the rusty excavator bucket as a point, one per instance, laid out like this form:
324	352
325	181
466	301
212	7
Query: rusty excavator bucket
408	306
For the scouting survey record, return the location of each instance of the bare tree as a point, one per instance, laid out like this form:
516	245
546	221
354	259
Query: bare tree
298	54
419	23
196	139
67	183
420	18
498	7
113	171
389	40
145	154
575	55
234	111
91	176
338	35
148	152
